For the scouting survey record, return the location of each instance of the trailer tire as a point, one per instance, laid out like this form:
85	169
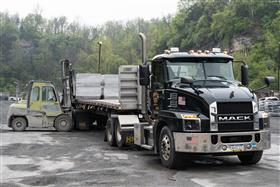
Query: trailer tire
168	156
19	124
63	123
250	158
119	135
109	132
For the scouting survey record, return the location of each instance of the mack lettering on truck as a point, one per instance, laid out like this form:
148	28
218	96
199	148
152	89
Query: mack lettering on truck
235	118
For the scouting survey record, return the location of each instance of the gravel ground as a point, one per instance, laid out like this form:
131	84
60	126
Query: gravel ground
50	158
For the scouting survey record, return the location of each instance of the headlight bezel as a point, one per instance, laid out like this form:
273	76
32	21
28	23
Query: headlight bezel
192	121
264	119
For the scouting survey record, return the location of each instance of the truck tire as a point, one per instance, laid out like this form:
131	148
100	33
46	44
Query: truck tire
19	124
109	132
63	123
168	156
250	158
120	136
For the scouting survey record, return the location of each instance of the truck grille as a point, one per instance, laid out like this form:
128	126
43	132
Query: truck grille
235	108
237	116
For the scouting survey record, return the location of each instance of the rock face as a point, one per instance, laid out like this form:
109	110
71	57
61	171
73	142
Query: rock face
240	43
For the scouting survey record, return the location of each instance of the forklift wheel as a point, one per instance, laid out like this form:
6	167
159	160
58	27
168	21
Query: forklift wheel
19	124
63	123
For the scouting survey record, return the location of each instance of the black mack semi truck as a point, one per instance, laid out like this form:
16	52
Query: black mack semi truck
180	103
176	104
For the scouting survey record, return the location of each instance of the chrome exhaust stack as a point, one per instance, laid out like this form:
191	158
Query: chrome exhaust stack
144	88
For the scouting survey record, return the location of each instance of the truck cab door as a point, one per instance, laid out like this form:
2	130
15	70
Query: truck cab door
34	114
157	85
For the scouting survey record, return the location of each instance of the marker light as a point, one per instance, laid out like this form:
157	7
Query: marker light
174	49
216	50
189	116
206	51
166	51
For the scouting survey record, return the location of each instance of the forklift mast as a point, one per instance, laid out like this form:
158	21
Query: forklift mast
68	90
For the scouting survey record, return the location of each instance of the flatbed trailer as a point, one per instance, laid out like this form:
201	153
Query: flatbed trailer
96	98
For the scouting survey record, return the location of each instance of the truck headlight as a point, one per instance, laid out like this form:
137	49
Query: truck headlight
191	122
264	120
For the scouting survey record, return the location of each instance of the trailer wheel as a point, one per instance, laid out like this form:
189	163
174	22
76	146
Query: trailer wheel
109	133
168	156
19	124
120	136
250	157
63	123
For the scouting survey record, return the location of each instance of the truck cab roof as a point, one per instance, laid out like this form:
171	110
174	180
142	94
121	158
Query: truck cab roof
190	55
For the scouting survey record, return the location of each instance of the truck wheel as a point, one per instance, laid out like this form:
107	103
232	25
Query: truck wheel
169	158
63	123
120	136
19	124
250	157
109	133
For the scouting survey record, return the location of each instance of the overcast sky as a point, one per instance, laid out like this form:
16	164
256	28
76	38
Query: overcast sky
92	12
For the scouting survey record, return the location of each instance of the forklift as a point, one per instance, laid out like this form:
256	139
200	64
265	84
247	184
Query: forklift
42	109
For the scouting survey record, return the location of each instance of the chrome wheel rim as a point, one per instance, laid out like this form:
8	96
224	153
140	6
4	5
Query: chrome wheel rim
165	147
63	123
19	124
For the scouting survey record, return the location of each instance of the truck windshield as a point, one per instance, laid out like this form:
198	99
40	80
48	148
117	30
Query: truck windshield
200	70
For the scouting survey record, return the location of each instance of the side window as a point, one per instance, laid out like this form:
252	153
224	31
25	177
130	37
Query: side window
158	72
35	94
48	94
52	96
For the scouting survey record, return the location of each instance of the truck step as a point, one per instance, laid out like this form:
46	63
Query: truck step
149	147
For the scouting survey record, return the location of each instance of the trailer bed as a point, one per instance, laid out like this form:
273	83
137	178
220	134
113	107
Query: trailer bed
104	103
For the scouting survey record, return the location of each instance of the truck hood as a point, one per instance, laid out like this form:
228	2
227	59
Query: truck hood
233	93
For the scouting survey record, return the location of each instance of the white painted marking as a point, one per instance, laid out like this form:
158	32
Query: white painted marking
203	182
120	156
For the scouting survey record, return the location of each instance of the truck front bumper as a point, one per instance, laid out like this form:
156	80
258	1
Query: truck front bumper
229	142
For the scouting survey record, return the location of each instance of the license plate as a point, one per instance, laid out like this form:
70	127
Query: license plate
237	147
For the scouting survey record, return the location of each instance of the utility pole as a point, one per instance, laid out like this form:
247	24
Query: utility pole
99	56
